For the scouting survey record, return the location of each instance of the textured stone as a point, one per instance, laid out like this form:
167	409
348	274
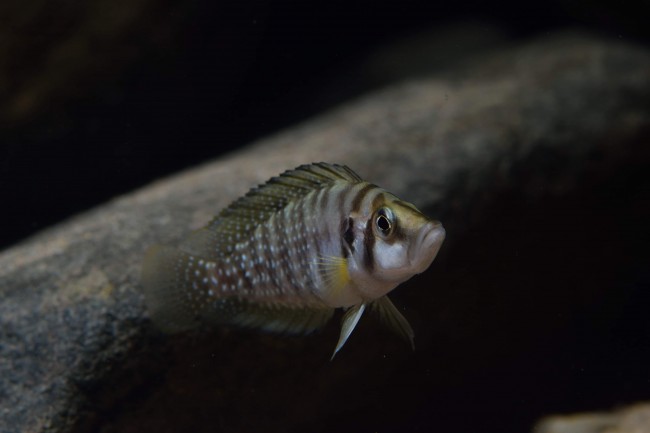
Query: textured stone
634	419
77	352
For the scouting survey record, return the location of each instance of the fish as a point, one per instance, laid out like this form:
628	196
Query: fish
289	253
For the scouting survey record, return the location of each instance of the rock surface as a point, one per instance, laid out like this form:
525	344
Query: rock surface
77	352
634	419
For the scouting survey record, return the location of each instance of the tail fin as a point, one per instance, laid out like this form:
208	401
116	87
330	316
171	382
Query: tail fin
166	289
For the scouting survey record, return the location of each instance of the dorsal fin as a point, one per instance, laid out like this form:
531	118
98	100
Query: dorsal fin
241	218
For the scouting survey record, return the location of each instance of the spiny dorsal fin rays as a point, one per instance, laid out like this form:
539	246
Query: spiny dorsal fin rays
350	320
390	315
239	220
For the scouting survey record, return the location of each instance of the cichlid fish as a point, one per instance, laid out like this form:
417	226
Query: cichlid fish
283	257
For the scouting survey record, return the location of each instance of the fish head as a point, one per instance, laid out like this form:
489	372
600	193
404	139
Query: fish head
397	242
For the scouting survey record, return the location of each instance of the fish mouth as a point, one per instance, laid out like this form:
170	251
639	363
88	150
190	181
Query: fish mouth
427	245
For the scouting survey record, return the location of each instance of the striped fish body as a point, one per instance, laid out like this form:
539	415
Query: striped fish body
286	255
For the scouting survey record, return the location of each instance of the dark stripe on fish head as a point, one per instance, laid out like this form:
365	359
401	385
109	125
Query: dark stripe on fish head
398	234
347	238
358	198
369	235
408	207
368	246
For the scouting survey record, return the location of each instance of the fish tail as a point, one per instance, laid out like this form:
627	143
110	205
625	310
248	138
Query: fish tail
165	289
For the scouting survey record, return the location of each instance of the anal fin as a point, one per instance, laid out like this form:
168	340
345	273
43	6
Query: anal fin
278	318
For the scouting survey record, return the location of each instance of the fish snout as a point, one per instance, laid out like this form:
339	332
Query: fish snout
427	245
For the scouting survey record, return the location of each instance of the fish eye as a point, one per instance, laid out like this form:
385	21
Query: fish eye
384	221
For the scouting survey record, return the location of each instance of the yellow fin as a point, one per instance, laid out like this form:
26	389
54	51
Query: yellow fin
391	316
334	270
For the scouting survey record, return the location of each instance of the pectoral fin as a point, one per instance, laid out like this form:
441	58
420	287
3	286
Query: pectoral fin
334	271
350	320
391	316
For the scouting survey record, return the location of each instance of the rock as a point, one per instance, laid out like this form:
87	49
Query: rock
78	353
633	419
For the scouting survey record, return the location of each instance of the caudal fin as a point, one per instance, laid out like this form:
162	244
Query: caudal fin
166	289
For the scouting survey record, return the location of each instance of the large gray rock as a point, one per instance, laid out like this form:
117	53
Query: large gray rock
634	419
78	353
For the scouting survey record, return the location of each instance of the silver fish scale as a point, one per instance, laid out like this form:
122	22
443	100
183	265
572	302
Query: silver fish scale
280	255
279	263
226	230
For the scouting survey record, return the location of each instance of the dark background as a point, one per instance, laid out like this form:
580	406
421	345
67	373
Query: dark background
102	97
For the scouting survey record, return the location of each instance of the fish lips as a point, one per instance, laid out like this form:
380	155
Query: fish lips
427	245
